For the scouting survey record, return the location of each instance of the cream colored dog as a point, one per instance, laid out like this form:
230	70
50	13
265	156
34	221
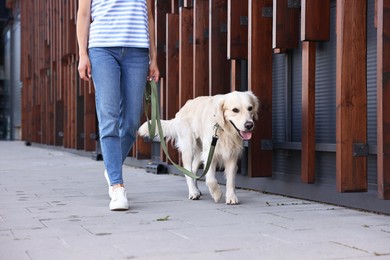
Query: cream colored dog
192	130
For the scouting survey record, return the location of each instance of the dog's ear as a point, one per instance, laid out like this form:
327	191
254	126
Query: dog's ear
219	112
256	105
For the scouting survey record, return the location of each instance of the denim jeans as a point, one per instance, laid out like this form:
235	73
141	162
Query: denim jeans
119	75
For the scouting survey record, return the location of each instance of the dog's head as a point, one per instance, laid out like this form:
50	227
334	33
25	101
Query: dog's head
236	112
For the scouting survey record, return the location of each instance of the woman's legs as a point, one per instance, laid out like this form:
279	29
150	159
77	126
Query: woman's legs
119	75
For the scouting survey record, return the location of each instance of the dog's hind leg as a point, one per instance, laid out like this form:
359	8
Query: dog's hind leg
230	172
193	164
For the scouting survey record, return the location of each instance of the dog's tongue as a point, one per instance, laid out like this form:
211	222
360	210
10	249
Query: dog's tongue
246	135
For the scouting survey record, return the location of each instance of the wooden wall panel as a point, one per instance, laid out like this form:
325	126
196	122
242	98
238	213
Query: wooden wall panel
162	8
285	25
175	6
308	154
315	20
201	48
59	123
351	97
237	29
186	54
172	79
89	116
315	26
219	64
383	97
260	82
141	148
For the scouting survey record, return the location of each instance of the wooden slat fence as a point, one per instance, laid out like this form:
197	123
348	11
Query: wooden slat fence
204	47
58	108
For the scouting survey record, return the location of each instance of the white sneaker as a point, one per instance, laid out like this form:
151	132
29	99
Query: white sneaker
119	199
110	188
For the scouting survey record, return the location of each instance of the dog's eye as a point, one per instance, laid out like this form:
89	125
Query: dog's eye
236	110
250	108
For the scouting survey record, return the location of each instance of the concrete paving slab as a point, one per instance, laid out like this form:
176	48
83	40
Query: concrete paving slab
54	205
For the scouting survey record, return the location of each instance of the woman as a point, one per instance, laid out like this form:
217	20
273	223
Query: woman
117	50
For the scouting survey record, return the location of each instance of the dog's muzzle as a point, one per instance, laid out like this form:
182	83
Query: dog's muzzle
247	134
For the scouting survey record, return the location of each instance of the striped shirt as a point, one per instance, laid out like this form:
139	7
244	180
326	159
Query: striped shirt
119	23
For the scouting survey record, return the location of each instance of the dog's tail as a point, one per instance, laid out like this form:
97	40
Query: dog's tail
168	127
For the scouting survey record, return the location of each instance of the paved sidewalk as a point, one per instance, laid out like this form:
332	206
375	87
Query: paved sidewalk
54	205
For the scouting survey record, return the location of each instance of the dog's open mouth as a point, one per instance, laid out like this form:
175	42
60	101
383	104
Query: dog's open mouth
245	135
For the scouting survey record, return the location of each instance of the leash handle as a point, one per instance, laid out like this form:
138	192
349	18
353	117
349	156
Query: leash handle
151	97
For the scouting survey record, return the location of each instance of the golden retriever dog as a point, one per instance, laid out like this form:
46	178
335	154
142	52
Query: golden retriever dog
192	130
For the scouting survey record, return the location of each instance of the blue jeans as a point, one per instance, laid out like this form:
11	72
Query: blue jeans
119	75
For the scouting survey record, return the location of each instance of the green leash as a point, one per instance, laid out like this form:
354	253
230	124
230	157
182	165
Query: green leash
151	99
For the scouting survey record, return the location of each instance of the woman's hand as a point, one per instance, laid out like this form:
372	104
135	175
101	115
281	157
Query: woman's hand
154	72
85	67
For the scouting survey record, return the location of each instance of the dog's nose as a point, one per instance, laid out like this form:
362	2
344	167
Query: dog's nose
248	125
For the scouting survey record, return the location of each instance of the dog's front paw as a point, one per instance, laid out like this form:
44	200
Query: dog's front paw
215	190
231	200
216	194
195	195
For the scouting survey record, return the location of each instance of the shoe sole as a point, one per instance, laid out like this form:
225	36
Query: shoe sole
119	209
123	208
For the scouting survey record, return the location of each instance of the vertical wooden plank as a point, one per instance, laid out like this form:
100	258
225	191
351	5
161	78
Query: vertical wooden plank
59	124
164	109
237	29
201	48
383	97
66	105
175	6
234	67
37	85
219	64
57	72
163	99
285	28
71	39
141	149
23	75
81	135
237	42
260	82
74	98
162	8
351	97
315	20
187	3
185	55
172	79
89	118
376	14
308	112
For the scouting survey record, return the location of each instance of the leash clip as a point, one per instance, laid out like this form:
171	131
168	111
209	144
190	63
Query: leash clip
216	126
